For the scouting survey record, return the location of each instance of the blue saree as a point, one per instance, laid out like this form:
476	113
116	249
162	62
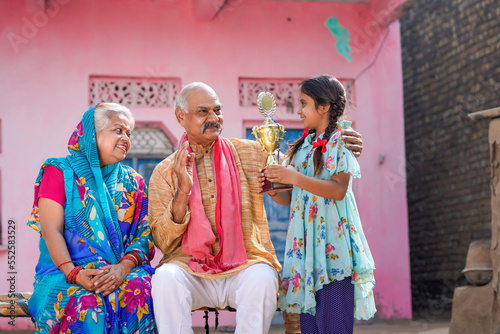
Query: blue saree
105	216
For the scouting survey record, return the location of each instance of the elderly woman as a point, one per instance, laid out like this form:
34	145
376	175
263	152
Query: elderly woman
93	274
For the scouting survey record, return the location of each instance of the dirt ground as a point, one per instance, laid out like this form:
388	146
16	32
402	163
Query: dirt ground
384	327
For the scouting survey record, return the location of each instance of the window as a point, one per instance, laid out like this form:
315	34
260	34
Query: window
150	145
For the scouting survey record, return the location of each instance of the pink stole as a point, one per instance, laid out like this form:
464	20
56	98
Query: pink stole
199	237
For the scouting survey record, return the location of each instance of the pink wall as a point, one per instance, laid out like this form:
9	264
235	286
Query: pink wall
44	91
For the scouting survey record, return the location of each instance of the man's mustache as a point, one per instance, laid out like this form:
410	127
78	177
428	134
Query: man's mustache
210	125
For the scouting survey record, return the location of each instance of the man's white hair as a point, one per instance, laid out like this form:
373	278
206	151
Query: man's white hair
181	100
104	111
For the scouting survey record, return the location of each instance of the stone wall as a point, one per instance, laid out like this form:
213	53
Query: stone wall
451	65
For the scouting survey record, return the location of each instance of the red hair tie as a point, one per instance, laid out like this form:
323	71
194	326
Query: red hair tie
319	142
305	134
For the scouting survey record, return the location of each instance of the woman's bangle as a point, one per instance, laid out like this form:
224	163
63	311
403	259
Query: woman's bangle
71	278
272	195
182	191
130	258
70	261
136	256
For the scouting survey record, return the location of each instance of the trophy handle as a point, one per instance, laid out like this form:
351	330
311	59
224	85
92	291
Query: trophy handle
256	135
282	132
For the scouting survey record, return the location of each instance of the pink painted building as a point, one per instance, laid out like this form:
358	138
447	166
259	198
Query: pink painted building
57	57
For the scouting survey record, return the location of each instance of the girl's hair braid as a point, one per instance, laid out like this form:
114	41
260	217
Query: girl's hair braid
324	90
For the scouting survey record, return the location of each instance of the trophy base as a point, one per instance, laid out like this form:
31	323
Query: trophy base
274	187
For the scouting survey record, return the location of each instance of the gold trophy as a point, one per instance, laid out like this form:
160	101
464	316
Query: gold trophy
269	135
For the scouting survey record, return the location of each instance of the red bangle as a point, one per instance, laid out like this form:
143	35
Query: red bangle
130	258
71	278
70	261
272	195
136	255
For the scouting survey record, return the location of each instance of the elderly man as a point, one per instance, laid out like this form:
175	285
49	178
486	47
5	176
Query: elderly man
208	219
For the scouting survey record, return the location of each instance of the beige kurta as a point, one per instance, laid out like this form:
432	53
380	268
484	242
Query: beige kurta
168	235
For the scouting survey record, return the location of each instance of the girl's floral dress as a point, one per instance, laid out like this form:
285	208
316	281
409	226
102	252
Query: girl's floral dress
325	239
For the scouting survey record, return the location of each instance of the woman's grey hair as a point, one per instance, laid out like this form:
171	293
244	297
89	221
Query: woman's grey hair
104	111
181	100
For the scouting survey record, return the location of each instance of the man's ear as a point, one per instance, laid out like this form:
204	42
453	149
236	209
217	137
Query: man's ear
179	113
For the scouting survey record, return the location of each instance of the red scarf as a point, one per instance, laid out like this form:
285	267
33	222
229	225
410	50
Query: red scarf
198	238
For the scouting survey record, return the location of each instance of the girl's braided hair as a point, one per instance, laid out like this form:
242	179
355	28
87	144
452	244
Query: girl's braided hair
324	90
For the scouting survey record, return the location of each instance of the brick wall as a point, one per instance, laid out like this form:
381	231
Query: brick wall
451	66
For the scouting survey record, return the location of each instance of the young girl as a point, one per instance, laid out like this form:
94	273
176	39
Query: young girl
328	268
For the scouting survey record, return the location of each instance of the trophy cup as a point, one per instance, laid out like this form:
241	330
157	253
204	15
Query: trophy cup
269	135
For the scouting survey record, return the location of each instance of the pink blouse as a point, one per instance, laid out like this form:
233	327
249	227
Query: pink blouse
52	185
